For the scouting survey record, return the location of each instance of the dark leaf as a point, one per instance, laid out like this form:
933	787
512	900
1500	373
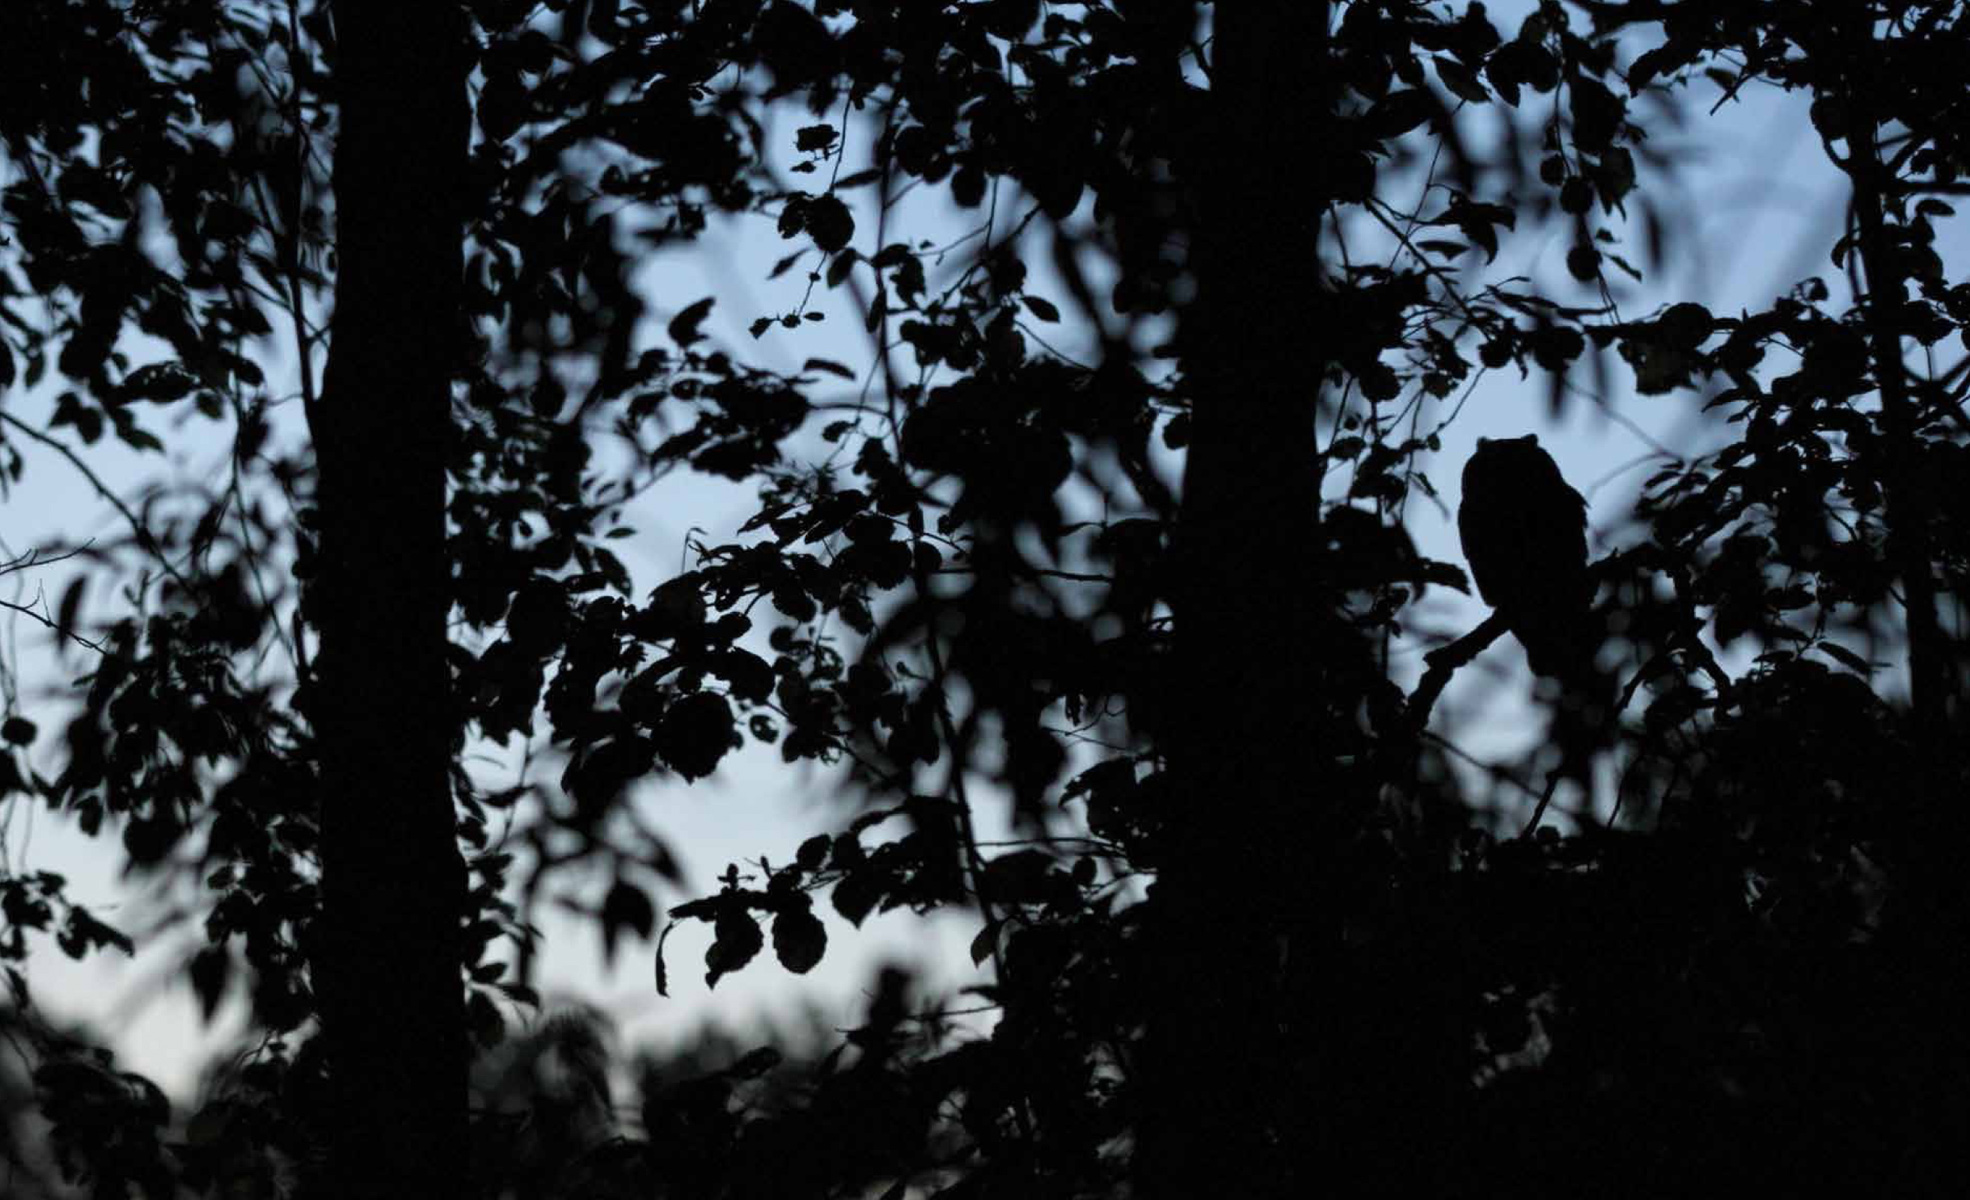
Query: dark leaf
828	365
984	943
1399	112
736	940
750	676
855	895
813	852
695	733
799	939
663	975
1461	80
626	906
209	969
684	326
755	1063
1686	326
829	222
1846	658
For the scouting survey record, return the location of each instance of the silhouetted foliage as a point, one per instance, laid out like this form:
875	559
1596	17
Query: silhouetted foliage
1256	930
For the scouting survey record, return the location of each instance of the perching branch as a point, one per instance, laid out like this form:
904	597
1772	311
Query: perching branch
1444	662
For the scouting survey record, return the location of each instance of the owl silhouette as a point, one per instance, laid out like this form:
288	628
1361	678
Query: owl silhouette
1525	536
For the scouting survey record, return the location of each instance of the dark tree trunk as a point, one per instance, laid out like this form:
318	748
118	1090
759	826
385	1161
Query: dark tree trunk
387	969
1246	649
1928	922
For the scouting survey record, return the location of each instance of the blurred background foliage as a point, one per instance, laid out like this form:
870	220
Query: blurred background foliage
961	586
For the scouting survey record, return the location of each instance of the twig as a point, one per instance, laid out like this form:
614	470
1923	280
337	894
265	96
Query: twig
142	531
67	633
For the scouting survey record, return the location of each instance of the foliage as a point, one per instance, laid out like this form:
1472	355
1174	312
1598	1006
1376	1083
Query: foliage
958	581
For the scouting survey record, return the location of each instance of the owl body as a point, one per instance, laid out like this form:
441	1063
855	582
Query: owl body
1524	532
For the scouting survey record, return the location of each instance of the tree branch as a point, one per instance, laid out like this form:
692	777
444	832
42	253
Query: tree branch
1444	662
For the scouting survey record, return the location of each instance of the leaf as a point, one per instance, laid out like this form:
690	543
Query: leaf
799	939
683	327
813	852
1460	80
736	940
1443	574
755	1063
750	676
828	365
209	969
160	382
829	222
984	943
82	932
1846	658
1043	309
1597	114
137	439
663	976
1398	112
625	906
483	1019
968	186
1686	326
1021	877
695	733
855	895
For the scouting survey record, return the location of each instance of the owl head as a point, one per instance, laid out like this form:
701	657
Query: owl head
1519	459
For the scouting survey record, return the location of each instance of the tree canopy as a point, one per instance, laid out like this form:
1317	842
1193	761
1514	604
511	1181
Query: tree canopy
1095	528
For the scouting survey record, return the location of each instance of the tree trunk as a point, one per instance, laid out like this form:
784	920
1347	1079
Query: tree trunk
1246	650
387	967
1928	922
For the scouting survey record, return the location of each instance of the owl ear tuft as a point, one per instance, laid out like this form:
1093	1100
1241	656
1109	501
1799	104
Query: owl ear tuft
1483	442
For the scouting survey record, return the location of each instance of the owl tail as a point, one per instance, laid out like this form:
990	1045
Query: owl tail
1563	648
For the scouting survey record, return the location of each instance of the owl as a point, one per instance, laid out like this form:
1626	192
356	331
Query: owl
1525	536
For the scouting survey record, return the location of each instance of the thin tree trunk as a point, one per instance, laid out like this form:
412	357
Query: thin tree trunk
1929	921
1931	669
387	969
1246	652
